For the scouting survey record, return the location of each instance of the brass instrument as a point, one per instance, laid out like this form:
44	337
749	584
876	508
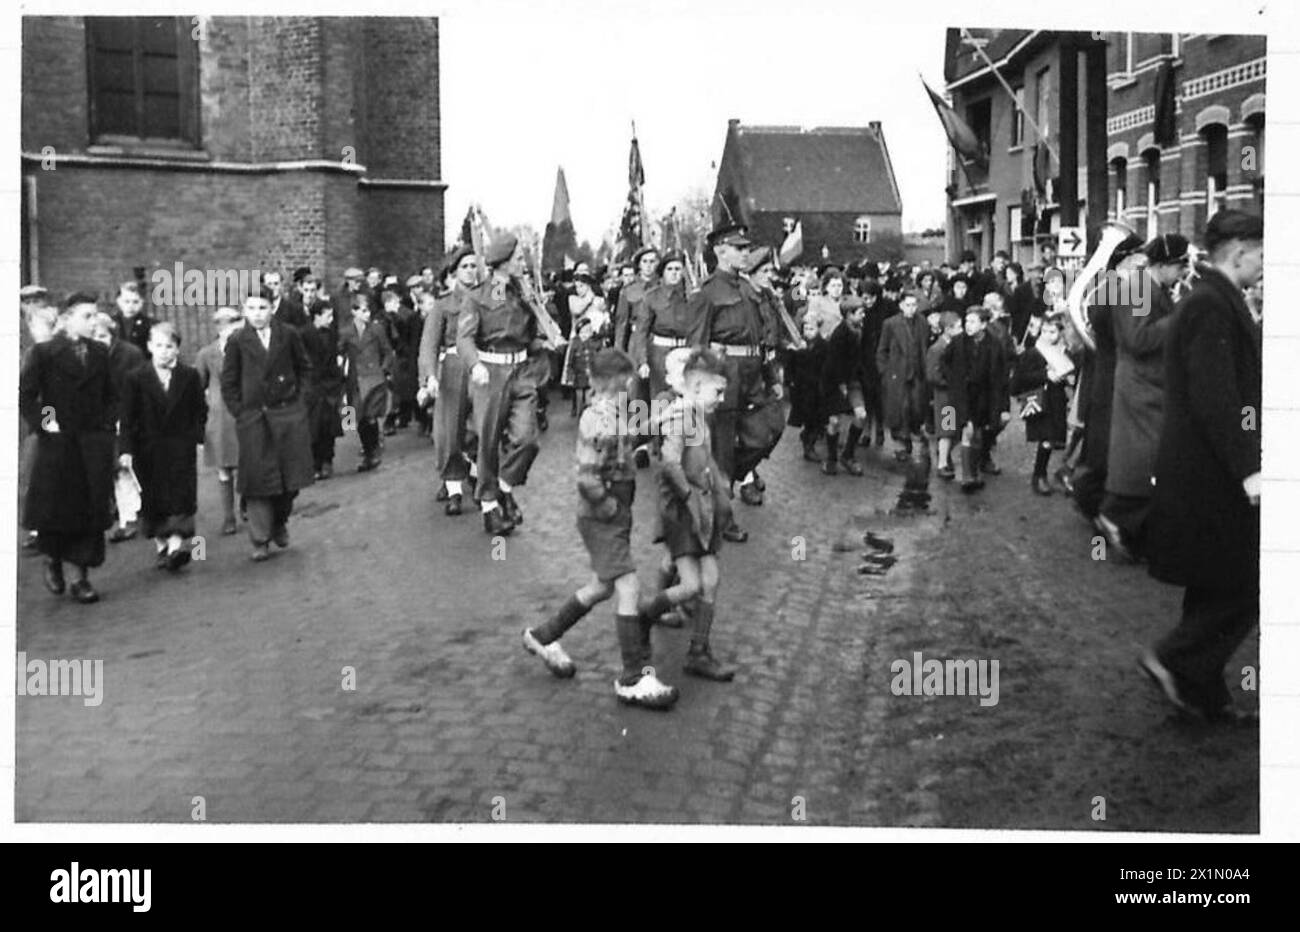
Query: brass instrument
1112	234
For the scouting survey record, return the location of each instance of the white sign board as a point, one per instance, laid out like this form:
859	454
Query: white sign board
1071	243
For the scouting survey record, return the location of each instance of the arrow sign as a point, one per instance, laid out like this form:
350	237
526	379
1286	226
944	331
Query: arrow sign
1071	243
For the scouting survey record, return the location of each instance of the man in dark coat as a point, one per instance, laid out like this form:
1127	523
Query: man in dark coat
67	398
879	309
1140	322
841	389
323	393
263	379
900	359
1203	530
123	359
163	419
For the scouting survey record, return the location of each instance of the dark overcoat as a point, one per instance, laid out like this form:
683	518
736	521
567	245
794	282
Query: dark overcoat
900	359
162	430
324	390
71	484
220	441
1203	531
843	367
370	360
263	388
1138	397
1099	389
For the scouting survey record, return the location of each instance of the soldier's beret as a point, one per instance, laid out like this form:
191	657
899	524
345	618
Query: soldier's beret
453	259
672	255
733	234
500	249
643	251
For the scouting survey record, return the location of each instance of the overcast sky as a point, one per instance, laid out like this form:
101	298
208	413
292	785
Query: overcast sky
527	87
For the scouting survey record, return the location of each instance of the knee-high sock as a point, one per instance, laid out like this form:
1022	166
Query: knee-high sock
569	614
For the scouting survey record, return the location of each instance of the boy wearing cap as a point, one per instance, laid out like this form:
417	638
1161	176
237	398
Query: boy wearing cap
498	337
444	375
262	380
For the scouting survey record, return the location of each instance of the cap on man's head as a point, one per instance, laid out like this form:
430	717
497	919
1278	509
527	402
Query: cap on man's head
1228	225
641	253
453	259
1167	248
500	249
967	256
353	272
733	234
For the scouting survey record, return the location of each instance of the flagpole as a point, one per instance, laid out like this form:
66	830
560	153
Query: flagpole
979	50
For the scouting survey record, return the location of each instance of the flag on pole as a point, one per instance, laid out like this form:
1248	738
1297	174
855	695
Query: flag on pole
960	135
631	231
559	240
467	228
792	248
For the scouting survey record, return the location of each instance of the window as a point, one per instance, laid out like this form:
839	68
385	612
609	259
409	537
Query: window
1151	158
1216	168
787	224
862	230
143	79
1121	186
1042	91
1018	119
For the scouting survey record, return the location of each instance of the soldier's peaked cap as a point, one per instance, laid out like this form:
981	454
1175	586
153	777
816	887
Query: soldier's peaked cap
733	234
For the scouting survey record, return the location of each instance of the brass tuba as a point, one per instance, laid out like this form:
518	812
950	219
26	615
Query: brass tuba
1112	234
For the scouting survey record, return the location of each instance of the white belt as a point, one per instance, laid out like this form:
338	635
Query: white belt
503	359
657	340
736	349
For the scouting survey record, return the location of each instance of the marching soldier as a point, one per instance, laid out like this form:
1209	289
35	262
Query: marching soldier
765	424
498	338
630	300
725	316
445	376
662	322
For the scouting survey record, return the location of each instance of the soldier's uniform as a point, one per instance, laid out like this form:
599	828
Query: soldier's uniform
662	324
499	329
440	357
725	316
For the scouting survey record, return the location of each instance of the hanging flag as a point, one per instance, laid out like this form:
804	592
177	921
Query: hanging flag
467	228
792	248
559	240
1166	106
959	133
631	231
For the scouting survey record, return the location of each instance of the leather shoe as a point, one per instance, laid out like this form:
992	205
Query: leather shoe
54	577
810	453
453	506
119	534
84	592
367	464
280	536
1114	538
178	558
851	467
733	533
496	523
1041	486
261	553
831	467
750	494
514	514
702	663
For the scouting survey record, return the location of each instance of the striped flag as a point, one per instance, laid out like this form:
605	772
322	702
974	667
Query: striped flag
792	248
631	231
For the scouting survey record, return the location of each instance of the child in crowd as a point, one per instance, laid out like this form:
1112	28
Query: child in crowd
133	325
606	486
369	355
946	428
969	366
123	359
220	441
582	352
324	391
805	374
693	508
842	400
1041	375
163	420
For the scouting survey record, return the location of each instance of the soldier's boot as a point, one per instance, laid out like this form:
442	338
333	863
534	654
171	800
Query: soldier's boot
847	455
699	657
830	465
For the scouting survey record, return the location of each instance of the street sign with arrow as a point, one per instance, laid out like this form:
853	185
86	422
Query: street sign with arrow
1071	243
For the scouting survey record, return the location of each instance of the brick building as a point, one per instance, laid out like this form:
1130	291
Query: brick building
837	181
227	143
1183	118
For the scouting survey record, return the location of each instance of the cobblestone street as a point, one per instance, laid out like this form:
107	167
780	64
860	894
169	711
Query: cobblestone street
226	682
